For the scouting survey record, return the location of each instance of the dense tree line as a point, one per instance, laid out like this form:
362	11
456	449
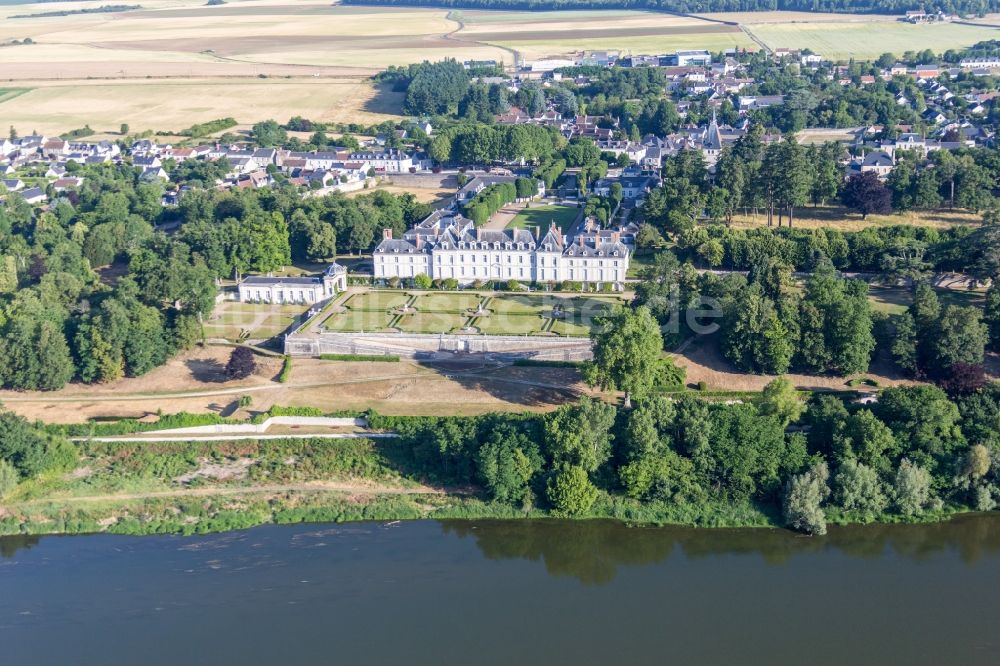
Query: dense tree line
494	197
977	7
914	452
90	289
27	451
240	231
776	178
485	144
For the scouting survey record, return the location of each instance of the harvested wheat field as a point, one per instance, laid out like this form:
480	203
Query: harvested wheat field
173	104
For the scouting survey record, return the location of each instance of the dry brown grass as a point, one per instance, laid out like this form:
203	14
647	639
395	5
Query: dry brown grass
704	363
194	382
433	195
176	104
837	217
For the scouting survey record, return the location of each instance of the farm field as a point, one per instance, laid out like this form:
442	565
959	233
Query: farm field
232	321
543	216
176	62
754	18
174	104
868	40
659	43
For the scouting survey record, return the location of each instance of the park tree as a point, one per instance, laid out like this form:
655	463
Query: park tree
865	438
866	194
422	281
924	418
627	349
580	434
911	488
570	491
858	489
31	451
781	400
506	462
991	315
268	133
805	494
241	364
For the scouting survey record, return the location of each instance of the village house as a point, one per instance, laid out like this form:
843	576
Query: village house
877	161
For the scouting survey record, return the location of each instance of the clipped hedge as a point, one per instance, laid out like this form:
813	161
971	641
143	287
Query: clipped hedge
359	357
286	370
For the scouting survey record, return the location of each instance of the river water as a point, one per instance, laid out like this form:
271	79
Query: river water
495	592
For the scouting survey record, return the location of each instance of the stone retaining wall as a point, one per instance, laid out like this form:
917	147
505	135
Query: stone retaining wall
417	345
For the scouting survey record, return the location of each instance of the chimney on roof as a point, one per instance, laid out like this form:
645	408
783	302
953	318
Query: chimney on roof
615	236
538	233
387	234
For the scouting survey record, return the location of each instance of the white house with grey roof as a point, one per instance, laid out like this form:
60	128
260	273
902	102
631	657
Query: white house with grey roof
267	289
449	246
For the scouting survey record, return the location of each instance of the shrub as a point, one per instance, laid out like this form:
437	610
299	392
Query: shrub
912	488
286	370
804	495
245	400
359	357
241	363
703	385
8	477
422	281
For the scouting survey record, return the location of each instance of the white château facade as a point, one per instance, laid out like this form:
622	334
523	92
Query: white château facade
266	289
447	245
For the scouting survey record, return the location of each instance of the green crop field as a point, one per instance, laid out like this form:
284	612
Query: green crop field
845	40
543	216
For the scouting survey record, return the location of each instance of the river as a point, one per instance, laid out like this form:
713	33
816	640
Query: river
488	592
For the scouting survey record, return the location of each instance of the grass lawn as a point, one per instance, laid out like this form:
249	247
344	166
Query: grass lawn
543	216
377	300
890	301
229	320
638	261
448	303
357	320
895	300
510	324
443	312
431	322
